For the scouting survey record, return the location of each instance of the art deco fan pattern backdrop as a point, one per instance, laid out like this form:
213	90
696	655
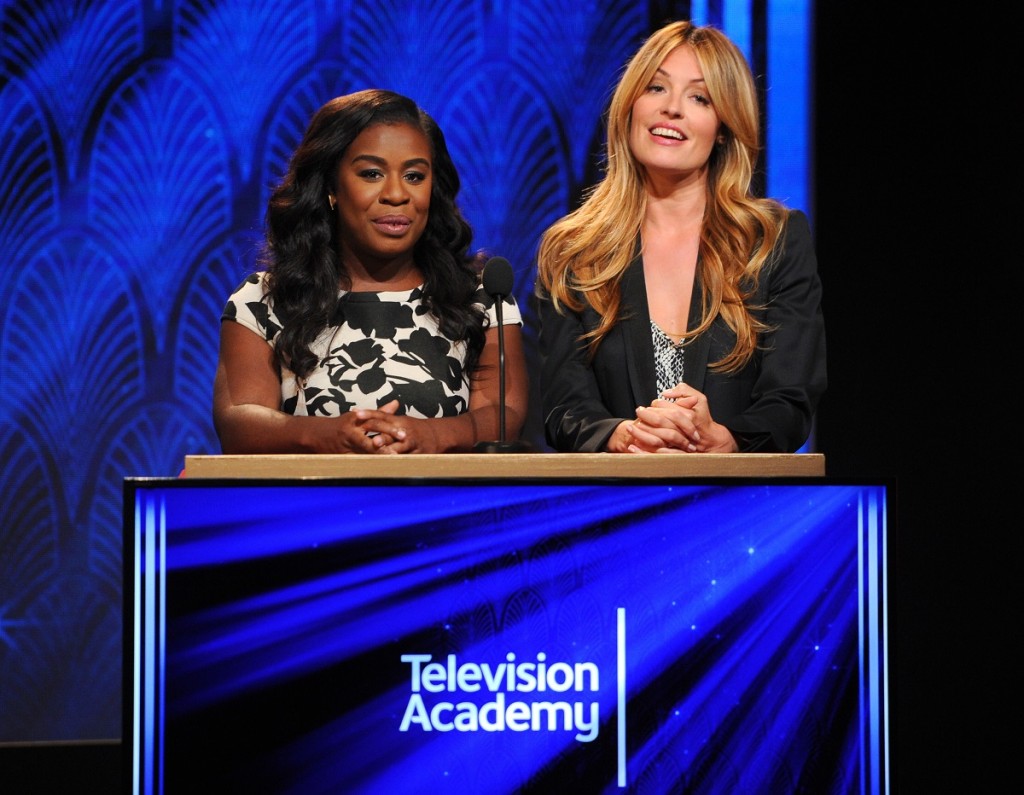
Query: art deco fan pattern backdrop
138	144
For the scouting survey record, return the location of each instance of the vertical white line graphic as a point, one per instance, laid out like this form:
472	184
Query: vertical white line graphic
622	693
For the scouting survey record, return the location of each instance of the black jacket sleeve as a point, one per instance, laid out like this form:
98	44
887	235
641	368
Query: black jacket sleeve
787	376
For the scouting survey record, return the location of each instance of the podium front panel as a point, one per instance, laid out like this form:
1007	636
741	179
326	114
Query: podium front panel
411	635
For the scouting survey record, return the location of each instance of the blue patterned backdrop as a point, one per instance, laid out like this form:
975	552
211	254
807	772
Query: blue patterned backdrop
138	144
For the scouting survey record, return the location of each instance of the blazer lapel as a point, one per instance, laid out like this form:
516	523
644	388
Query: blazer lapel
636	329
695	362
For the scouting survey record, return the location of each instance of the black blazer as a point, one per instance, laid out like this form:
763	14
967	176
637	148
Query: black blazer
768	406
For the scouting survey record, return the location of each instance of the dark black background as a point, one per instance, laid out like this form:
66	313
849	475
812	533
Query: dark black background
917	175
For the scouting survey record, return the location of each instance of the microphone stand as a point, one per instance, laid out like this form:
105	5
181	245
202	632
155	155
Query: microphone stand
502	446
501	368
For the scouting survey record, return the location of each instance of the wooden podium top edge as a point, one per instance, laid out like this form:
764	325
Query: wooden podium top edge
506	465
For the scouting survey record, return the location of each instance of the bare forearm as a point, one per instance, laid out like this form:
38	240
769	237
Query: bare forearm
450	434
253	429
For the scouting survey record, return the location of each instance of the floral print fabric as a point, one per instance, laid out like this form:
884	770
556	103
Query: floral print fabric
382	346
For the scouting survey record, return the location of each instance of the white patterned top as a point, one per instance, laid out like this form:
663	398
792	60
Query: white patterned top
385	345
668	359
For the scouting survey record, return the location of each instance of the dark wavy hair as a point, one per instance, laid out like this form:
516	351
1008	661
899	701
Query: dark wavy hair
301	252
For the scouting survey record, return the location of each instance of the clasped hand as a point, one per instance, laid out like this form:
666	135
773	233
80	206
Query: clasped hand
383	431
678	422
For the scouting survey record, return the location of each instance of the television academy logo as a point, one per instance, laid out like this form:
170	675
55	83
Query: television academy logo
445	696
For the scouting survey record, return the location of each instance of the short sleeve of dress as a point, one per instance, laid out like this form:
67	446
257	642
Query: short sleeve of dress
510	313
249	306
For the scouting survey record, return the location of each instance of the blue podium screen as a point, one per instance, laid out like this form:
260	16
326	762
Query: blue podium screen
467	636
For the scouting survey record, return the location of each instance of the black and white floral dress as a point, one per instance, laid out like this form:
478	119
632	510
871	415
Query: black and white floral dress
383	346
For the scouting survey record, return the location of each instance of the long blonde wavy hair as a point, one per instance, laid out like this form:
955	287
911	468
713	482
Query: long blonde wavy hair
583	256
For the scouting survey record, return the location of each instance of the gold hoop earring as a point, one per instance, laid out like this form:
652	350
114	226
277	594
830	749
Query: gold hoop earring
332	201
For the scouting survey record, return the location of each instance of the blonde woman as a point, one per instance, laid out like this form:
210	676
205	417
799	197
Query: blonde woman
679	312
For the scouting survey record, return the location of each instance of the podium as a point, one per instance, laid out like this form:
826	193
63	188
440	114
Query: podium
511	465
506	623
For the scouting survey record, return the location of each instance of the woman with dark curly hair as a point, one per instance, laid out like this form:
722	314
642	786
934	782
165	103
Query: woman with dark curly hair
368	329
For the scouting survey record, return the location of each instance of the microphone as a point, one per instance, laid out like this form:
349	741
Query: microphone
497	281
498	278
